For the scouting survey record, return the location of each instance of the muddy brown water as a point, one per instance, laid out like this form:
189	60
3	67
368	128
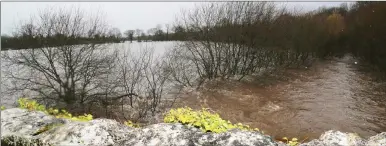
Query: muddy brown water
332	95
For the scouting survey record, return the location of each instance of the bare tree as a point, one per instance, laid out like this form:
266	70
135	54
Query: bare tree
167	26
222	38
69	74
151	31
141	73
115	33
101	79
138	34
129	34
180	67
143	36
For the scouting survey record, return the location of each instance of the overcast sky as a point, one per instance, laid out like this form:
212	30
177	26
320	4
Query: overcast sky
123	15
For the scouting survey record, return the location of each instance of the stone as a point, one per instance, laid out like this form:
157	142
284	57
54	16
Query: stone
377	140
20	126
99	132
181	135
336	138
21	121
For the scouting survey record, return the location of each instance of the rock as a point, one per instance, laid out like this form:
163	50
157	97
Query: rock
95	132
163	134
19	127
377	140
337	138
23	122
181	135
13	140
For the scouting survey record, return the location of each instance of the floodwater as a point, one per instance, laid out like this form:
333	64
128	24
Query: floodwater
332	95
9	97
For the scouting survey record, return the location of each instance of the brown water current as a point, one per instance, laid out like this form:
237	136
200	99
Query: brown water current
332	95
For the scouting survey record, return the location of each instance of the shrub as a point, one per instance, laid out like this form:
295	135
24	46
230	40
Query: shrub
32	105
2	107
292	142
131	124
203	119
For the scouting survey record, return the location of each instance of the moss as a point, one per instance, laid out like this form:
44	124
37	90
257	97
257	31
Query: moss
292	142
13	140
203	119
131	124
32	105
210	122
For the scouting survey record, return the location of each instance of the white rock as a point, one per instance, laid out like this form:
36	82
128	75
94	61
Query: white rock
336	138
377	140
23	124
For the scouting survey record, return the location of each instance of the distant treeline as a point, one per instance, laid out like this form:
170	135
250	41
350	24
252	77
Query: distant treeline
27	41
358	29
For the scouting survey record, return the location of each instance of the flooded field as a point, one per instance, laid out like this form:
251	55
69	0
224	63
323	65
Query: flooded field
332	95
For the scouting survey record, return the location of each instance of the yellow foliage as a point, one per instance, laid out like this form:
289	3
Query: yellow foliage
2	107
203	119
292	142
131	124
32	105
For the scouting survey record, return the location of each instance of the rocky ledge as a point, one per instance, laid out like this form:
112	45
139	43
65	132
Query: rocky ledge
23	127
